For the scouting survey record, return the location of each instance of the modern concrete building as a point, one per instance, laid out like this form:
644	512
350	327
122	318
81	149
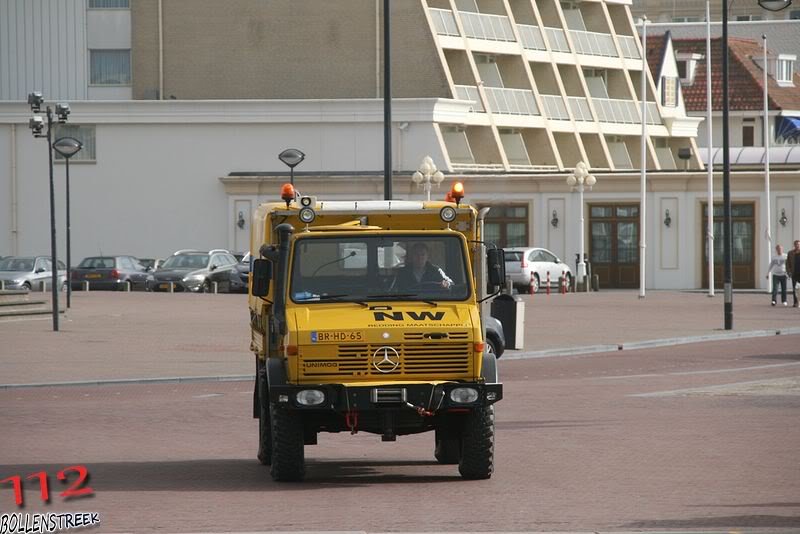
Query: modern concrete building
691	11
507	95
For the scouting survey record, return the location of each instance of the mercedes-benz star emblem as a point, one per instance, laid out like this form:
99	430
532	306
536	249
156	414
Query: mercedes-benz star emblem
385	359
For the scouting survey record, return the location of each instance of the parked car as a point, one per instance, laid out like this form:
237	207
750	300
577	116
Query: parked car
192	270
28	272
495	338
243	268
528	268
111	272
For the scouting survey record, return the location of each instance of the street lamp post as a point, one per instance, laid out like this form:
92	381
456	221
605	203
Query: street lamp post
68	147
36	124
426	174
291	157
578	181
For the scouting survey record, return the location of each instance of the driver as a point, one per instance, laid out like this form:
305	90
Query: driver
418	270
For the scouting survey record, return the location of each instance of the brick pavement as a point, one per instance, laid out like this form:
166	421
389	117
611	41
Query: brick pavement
109	335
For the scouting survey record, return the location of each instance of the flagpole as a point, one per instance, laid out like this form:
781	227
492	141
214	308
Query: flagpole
768	234
643	165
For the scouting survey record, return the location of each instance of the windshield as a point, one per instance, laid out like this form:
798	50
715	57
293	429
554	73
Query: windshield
407	267
16	264
186	261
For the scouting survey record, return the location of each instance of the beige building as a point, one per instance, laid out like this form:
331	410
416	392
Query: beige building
693	11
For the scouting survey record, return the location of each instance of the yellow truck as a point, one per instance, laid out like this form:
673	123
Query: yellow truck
366	316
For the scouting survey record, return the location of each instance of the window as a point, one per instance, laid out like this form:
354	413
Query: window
110	67
109	4
749	17
794	15
507	226
669	91
784	70
685	19
748	132
84	134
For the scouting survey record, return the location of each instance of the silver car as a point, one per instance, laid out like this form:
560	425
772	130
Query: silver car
29	272
528	268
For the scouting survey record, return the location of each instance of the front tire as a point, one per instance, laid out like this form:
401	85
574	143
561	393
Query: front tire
477	449
288	454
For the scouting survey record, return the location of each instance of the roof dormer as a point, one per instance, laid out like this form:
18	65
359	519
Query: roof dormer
687	66
780	68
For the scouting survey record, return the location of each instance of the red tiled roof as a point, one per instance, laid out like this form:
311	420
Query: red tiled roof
745	76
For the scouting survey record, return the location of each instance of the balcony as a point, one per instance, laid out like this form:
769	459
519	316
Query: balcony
444	21
593	43
557	39
616	111
653	117
487	27
531	37
554	108
470	92
511	101
580	108
630	47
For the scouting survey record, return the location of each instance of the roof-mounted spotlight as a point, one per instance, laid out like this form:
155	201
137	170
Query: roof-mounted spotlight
62	111
35	101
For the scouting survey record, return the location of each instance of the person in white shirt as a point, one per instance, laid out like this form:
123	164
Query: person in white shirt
777	268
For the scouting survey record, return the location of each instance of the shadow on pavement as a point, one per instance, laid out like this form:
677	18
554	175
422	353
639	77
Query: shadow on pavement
239	474
736	521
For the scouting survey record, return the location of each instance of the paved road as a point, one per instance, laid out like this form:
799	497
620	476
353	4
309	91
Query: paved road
110	335
696	437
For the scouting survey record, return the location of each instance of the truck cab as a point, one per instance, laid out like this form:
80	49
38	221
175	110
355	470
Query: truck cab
366	317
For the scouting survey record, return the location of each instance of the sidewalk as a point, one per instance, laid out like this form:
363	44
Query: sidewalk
129	336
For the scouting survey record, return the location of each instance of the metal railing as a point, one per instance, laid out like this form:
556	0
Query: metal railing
630	47
488	27
511	101
557	39
580	108
531	37
444	21
616	110
470	92
555	108
653	116
593	43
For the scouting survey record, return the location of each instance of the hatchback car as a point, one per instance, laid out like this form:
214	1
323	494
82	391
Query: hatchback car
111	272
197	271
528	268
29	272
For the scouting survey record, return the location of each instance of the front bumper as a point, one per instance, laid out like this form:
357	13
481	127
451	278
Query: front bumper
432	398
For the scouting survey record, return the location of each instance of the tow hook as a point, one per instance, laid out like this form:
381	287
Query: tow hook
351	421
420	410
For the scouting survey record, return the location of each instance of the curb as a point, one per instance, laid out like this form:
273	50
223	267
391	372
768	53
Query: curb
649	344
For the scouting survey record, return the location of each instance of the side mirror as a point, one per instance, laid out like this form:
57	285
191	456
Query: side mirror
39	270
496	267
261	276
212	268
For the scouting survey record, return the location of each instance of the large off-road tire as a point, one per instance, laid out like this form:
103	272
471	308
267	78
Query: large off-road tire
288	454
264	425
447	451
477	445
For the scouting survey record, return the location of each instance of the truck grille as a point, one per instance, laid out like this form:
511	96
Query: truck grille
461	335
444	359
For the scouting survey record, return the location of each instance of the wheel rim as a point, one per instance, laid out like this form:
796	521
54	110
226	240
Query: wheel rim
490	347
535	283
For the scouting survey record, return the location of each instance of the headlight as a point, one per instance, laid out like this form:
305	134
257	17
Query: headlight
464	395
310	397
196	278
448	214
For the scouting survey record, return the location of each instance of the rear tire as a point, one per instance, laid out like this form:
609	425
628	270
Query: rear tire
535	285
447	451
477	449
264	424
288	454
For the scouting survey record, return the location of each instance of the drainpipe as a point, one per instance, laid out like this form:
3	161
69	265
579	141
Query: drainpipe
14	229
160	50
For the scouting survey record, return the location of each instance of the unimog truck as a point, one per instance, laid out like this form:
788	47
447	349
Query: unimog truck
366	317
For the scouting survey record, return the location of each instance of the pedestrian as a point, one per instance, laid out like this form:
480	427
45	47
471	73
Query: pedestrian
793	268
777	268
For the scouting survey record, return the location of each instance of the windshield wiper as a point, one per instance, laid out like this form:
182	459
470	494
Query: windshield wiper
340	298
402	296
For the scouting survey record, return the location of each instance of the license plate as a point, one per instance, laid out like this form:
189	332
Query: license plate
94	276
336	337
163	286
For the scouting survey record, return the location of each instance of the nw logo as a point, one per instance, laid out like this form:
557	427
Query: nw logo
417	316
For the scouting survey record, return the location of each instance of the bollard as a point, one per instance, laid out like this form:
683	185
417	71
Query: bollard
214	286
530	289
2	285
86	285
172	287
43	286
548	282
127	286
563	282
